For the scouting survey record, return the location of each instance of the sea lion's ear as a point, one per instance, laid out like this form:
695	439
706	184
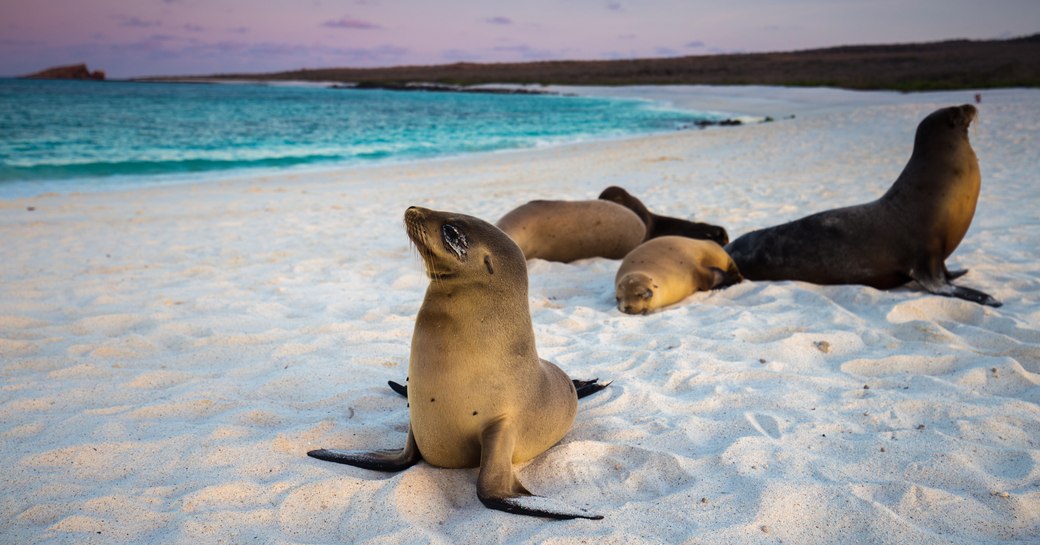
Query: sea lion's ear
487	263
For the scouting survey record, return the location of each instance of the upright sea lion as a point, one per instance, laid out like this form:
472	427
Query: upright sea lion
571	230
478	393
667	269
660	226
905	235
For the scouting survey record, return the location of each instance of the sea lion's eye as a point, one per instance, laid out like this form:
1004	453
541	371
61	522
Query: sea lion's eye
455	240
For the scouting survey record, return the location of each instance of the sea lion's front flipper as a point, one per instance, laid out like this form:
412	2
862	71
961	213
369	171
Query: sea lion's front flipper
936	281
498	487
378	460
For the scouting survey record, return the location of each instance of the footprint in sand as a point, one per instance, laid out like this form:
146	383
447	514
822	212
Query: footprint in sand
624	472
765	424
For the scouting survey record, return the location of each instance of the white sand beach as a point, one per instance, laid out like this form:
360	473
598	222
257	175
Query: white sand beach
168	355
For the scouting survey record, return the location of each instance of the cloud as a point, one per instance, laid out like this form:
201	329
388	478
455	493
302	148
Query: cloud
694	44
263	56
136	22
626	36
458	55
616	55
526	52
665	52
499	20
193	28
351	23
614	6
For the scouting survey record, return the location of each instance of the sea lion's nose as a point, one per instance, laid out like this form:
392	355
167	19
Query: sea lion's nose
414	212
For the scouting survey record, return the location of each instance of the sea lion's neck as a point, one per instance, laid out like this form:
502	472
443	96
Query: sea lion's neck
454	324
476	304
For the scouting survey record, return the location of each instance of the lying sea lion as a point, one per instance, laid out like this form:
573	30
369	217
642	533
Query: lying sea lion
666	270
905	235
660	226
571	230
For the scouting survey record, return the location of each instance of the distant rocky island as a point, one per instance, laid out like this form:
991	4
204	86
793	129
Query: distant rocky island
71	71
953	64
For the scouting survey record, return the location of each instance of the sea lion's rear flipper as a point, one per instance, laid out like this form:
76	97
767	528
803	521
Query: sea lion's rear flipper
398	387
583	387
586	388
721	279
938	282
974	296
498	487
378	460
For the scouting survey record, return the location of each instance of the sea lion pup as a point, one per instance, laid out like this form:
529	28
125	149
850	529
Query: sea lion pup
571	230
478	394
666	270
905	235
659	226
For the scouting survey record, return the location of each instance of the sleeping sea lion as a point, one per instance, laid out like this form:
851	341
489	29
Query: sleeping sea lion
667	269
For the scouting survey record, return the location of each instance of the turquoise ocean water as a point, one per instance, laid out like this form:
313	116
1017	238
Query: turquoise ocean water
69	136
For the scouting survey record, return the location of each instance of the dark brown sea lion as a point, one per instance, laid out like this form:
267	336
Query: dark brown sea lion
905	235
660	226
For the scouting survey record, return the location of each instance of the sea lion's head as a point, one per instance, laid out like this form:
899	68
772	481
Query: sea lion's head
944	128
618	195
460	248
635	293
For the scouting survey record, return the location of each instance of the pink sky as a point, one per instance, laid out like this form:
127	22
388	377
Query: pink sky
171	37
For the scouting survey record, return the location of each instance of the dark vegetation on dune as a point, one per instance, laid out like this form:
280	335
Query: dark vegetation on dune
956	64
